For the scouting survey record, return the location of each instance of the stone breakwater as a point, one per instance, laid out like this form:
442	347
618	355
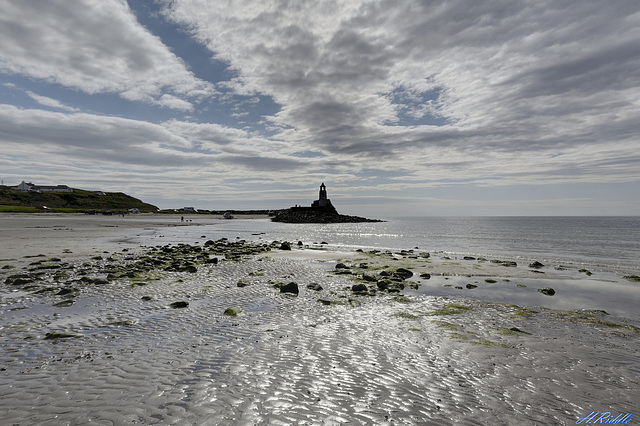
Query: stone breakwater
233	332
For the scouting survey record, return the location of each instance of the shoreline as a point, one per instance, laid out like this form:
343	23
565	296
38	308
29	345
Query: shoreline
80	346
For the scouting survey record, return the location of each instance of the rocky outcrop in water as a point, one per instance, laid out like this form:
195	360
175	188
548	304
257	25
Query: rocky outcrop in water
321	211
310	215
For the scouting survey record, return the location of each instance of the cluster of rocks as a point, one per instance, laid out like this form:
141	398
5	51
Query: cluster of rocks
390	281
299	215
56	277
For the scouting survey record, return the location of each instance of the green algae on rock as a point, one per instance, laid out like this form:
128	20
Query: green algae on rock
548	291
231	312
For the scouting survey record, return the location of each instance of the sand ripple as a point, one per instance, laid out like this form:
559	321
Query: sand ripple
291	360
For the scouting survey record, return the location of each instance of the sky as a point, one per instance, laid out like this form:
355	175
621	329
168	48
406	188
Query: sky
402	108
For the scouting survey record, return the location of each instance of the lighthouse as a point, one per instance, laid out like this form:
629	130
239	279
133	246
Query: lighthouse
322	198
323	203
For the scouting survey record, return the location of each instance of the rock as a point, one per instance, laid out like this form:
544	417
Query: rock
311	215
369	278
547	291
54	336
285	246
314	287
342	266
231	312
471	286
179	305
146	298
291	288
242	283
586	271
469	258
536	265
403	273
383	284
300	244
359	288
425	276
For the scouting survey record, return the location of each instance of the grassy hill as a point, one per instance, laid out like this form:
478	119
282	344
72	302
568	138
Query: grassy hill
78	200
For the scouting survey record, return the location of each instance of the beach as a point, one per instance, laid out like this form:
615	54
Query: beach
98	327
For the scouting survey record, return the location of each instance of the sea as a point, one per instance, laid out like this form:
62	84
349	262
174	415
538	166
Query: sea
602	242
593	254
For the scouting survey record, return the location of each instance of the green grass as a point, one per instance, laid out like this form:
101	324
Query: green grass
77	201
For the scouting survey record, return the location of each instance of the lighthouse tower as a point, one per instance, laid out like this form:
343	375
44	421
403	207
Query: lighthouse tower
322	198
323	203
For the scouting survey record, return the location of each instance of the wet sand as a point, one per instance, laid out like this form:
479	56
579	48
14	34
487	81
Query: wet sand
123	355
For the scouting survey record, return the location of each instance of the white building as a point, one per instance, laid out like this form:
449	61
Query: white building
26	187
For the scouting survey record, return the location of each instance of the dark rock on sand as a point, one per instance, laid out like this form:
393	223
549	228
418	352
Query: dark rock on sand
359	288
314	287
179	305
425	276
403	273
55	336
547	291
285	246
291	288
471	286
536	265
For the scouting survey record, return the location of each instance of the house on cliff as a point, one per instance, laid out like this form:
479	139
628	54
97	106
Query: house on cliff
26	187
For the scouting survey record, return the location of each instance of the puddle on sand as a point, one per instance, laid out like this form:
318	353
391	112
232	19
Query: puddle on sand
617	298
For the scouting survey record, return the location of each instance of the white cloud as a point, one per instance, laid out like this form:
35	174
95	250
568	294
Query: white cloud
512	76
46	101
96	46
524	93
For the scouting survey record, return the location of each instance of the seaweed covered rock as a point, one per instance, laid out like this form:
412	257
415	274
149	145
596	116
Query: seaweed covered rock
359	288
403	273
547	291
231	312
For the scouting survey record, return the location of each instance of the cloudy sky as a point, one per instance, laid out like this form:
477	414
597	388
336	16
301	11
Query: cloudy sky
457	107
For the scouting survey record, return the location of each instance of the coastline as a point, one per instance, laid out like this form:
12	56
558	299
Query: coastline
77	234
333	355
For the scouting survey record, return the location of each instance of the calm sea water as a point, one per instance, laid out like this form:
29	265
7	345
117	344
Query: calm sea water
594	241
